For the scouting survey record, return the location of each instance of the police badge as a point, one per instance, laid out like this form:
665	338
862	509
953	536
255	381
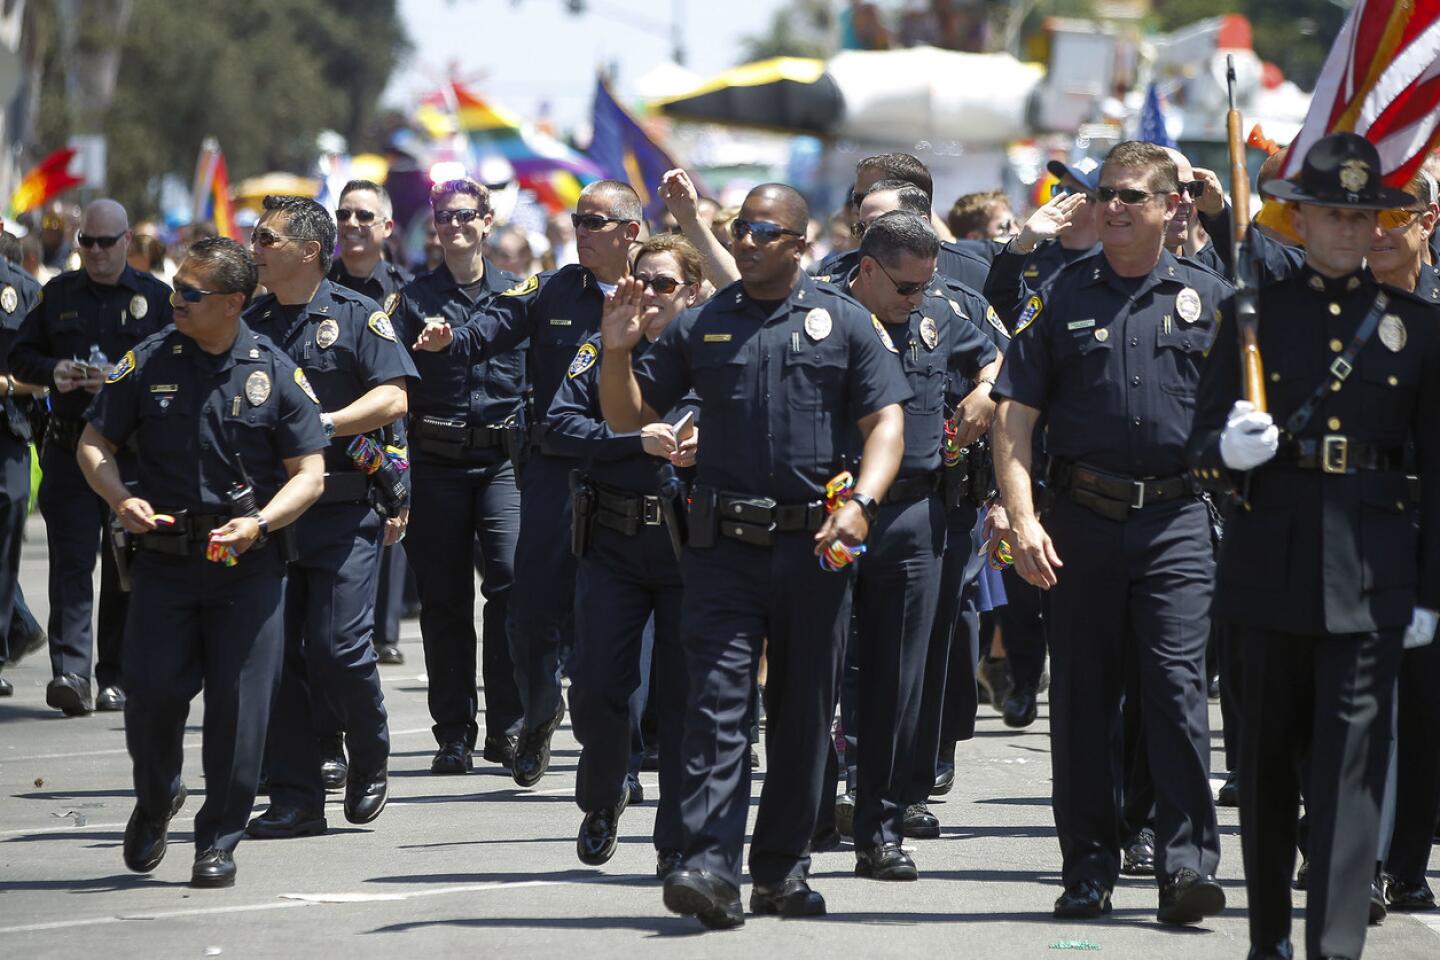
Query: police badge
1354	174
9	299
929	333
1187	304
327	334
1392	333
257	388
139	306
818	324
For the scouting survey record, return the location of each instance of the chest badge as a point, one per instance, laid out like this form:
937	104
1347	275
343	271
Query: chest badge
391	302
929	333
257	388
9	299
139	306
1187	305
882	333
327	334
818	324
1102	334
1392	333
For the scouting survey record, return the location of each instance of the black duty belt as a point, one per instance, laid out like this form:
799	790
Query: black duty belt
352	487
1113	495
188	536
438	435
626	512
781	517
912	488
1335	453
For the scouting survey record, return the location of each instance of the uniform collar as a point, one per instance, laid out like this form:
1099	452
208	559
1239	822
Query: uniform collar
1427	287
245	349
1334	287
803	296
339	273
129	279
445	280
323	303
1167	268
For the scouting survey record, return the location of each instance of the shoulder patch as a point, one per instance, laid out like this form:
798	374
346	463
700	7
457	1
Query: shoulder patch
883	333
123	368
304	384
522	289
1033	308
380	323
585	358
993	318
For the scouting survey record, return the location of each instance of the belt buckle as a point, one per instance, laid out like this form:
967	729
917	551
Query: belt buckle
650	513
1335	453
1138	500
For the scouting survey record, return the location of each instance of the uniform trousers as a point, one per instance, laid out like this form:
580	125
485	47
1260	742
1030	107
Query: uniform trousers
1022	622
16	622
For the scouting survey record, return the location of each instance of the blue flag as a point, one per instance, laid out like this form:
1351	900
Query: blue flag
624	151
1152	121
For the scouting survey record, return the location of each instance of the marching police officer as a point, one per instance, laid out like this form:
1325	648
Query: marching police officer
556	311
785	368
1323	572
462	417
228	443
347	349
85	320
625	533
1110	353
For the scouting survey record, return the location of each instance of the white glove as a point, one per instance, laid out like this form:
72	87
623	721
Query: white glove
1422	628
1249	438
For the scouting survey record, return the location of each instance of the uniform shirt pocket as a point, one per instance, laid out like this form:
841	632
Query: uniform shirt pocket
813	379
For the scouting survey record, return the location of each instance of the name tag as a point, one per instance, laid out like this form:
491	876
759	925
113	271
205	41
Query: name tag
1080	325
557	322
69	314
717	338
164	388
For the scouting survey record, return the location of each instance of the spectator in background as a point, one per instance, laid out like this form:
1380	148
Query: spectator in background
720	225
57	235
32	259
509	247
982	216
147	254
561	234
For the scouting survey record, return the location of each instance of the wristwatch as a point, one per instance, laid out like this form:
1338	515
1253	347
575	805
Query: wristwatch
329	426
866	504
263	524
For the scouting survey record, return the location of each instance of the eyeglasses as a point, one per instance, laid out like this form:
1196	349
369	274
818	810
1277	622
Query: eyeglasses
1397	219
104	243
764	233
461	217
190	294
910	287
1195	188
661	284
1128	197
269	238
362	217
594	222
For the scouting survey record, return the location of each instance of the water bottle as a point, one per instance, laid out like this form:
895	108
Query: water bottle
98	360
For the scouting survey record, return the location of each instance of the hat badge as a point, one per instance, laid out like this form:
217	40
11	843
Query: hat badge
1354	175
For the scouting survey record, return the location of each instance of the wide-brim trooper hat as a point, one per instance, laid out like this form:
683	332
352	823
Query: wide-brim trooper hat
1340	170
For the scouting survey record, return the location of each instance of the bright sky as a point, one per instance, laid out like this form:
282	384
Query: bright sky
528	52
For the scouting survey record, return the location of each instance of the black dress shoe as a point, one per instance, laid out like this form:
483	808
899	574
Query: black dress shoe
365	796
1229	793
1212	689
334	768
845	814
499	750
885	862
452	758
110	699
599	835
389	654
1187	897
701	894
70	694
1085	900
634	790
827	841
1138	857
1281	951
283	823
1020	708
145	838
1378	910
1405	896
944	782
7	689
667	862
791	897
920	823
213	868
532	752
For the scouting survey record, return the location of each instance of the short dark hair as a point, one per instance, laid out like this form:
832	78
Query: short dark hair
10	248
381	194
470	188
1163	177
972	211
624	201
909	197
227	265
677	246
899	232
900	166
306	220
151	249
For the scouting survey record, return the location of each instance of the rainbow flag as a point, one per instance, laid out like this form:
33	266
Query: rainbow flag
48	178
543	164
212	190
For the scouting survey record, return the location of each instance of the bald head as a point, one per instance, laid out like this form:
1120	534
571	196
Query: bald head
104	218
1182	165
786	204
104	221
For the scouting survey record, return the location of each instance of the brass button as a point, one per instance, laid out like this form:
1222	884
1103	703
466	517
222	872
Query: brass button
1336	346
1334	309
1274	377
1393	380
1399	504
1335	386
1333	423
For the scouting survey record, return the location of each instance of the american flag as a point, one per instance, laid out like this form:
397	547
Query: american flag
1382	81
1152	121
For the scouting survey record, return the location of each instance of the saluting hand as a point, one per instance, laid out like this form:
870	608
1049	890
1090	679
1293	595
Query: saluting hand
1212	201
1049	221
622	323
240	533
436	336
136	515
679	194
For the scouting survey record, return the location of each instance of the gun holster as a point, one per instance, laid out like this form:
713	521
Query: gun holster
701	521
122	547
582	513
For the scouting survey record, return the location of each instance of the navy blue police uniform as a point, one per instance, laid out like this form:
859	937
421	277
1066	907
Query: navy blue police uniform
201	424
462	413
74	314
1112	364
555	311
782	385
18	295
345	345
627	573
1014	275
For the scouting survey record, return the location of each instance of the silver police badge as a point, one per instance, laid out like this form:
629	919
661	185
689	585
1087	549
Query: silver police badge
1187	304
9	300
930	333
139	306
818	324
328	333
1392	333
257	388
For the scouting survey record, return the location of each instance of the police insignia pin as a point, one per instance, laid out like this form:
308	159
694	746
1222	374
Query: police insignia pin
139	306
123	368
9	299
257	388
380	323
391	301
1102	334
955	308
1033	306
1354	174
1187	304
929	333
1392	333
327	334
883	333
304	384
585	358
818	324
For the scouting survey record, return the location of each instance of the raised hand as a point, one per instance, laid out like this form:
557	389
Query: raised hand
1051	220
679	194
622	323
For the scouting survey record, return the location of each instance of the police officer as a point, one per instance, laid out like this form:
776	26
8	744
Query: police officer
628	570
1323	572
346	347
19	633
556	311
1110	353
228	442
784	368
99	311
462	414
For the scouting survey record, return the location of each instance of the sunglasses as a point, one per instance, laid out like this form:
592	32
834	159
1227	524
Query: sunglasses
1397	219
1128	197
764	233
269	238
908	288
104	243
362	217
190	294
661	284
1195	188
461	217
594	222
